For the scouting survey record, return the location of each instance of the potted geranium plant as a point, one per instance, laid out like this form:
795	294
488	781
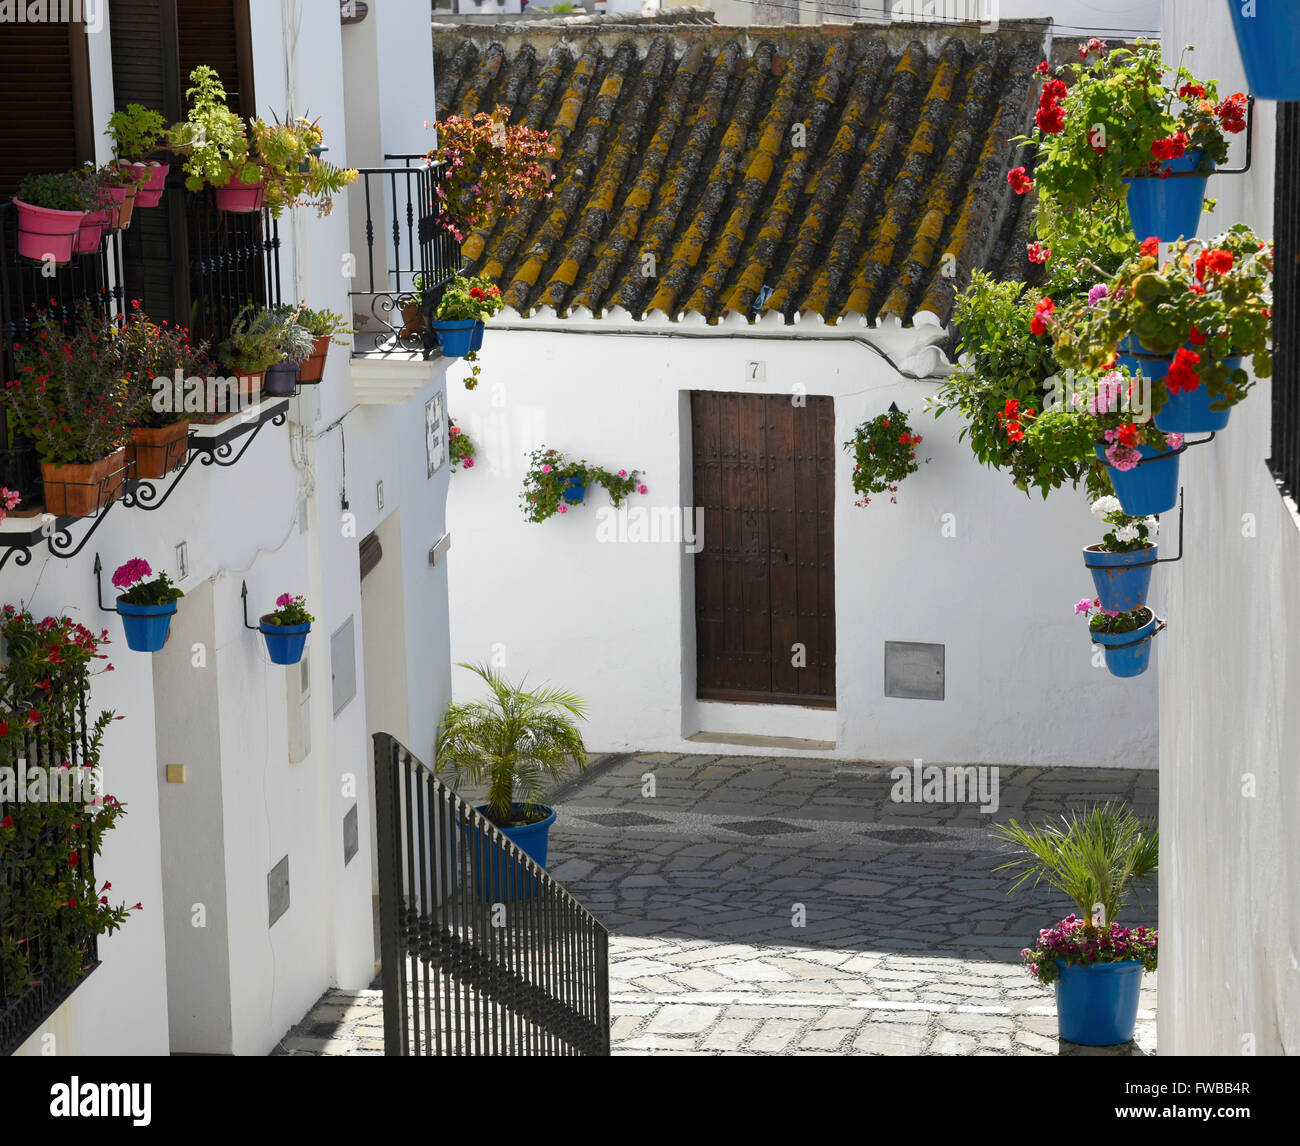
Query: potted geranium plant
884	449
156	359
1122	561
1268	38
285	630
51	208
1110	127
1125	636
137	133
1096	859
1186	323
456	316
513	742
75	408
146	606
460	448
552	483
324	326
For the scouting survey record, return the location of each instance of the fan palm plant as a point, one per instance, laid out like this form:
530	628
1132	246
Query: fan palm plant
1094	857
513	742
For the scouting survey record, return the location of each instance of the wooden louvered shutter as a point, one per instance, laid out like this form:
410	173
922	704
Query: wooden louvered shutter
47	123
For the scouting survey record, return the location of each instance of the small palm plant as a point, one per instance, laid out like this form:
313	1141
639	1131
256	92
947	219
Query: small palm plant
512	742
1094	857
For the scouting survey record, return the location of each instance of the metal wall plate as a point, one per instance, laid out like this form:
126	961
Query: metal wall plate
343	664
350	836
277	891
914	671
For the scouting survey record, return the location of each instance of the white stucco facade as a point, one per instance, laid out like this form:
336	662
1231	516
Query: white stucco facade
963	559
273	762
1229	721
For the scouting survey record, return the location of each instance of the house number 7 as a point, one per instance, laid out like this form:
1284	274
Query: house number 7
756	371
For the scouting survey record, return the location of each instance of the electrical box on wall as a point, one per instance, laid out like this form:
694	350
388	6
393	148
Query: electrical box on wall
343	664
277	891
298	707
914	671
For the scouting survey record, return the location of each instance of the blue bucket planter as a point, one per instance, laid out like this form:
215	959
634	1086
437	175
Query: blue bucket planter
497	877
1168	208
1097	1005
1121	579
574	490
1132	659
1190	413
476	339
454	336
284	643
1269	43
1148	488
146	626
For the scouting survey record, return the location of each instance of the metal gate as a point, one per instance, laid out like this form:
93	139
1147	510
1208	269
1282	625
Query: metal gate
483	952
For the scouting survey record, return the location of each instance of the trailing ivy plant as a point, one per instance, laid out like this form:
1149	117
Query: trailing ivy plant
885	451
52	907
549	482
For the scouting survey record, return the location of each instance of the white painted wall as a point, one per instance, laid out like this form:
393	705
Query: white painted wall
1229	890
276	520
615	621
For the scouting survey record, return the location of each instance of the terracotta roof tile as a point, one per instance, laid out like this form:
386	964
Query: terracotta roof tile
743	171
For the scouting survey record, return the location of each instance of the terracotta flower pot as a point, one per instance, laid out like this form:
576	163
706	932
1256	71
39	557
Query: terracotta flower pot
46	233
313	368
414	319
156	452
80	490
241	198
124	201
229	403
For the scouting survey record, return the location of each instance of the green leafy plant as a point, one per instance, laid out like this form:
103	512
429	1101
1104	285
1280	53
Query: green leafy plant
295	175
1126	534
1109	620
1205	304
513	743
67	394
491	168
295	342
213	140
549	482
143	352
1097	859
254	342
58	191
47	847
466	298
324	323
132	578
137	132
885	451
460	448
1112	116
289	610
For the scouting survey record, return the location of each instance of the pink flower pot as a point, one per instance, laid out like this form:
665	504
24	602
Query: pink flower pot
240	197
150	195
93	226
46	233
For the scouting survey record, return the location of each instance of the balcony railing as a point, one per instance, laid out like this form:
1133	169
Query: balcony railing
405	256
1284	457
25	1004
483	952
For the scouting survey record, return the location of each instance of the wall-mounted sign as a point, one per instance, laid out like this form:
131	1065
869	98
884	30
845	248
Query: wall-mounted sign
435	433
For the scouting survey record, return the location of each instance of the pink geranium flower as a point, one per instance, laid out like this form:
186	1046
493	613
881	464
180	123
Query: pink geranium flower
284	600
137	569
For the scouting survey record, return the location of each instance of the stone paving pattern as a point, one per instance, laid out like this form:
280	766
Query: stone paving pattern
782	906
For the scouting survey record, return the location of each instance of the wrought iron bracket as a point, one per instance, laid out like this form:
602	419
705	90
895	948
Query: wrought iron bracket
1162	560
243	593
1200	441
99	586
56	534
1161	625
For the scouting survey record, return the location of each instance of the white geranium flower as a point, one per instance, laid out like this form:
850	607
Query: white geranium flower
1126	533
1104	506
1153	526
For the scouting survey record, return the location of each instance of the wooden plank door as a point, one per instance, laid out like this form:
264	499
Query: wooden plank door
764	473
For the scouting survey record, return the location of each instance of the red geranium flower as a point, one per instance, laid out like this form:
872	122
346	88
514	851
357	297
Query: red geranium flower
1150	247
1042	312
1182	376
1020	182
1195	337
1038	253
1171	147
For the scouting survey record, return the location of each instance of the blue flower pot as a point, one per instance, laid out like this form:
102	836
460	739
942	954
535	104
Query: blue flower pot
574	490
454	336
1121	579
1269	42
1190	413
476	339
1148	488
1132	660
284	643
1153	366
1168	208
496	877
146	626
1097	1004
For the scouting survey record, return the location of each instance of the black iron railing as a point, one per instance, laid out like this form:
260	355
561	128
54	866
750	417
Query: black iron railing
234	261
1284	457
483	952
26	1003
90	281
406	256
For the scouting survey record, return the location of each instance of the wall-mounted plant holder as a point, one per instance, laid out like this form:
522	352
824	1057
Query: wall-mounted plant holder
285	644
145	626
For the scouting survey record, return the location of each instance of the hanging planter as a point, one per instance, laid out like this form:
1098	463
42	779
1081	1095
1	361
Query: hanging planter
46	233
285	631
476	340
93	226
313	367
146	607
1169	206
574	491
281	379
454	335
241	198
1268	38
153	177
552	484
137	133
1125	636
157	450
1121	563
79	489
324	326
1150	486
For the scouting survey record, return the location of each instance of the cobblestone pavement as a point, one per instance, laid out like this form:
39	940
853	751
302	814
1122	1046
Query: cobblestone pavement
788	906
